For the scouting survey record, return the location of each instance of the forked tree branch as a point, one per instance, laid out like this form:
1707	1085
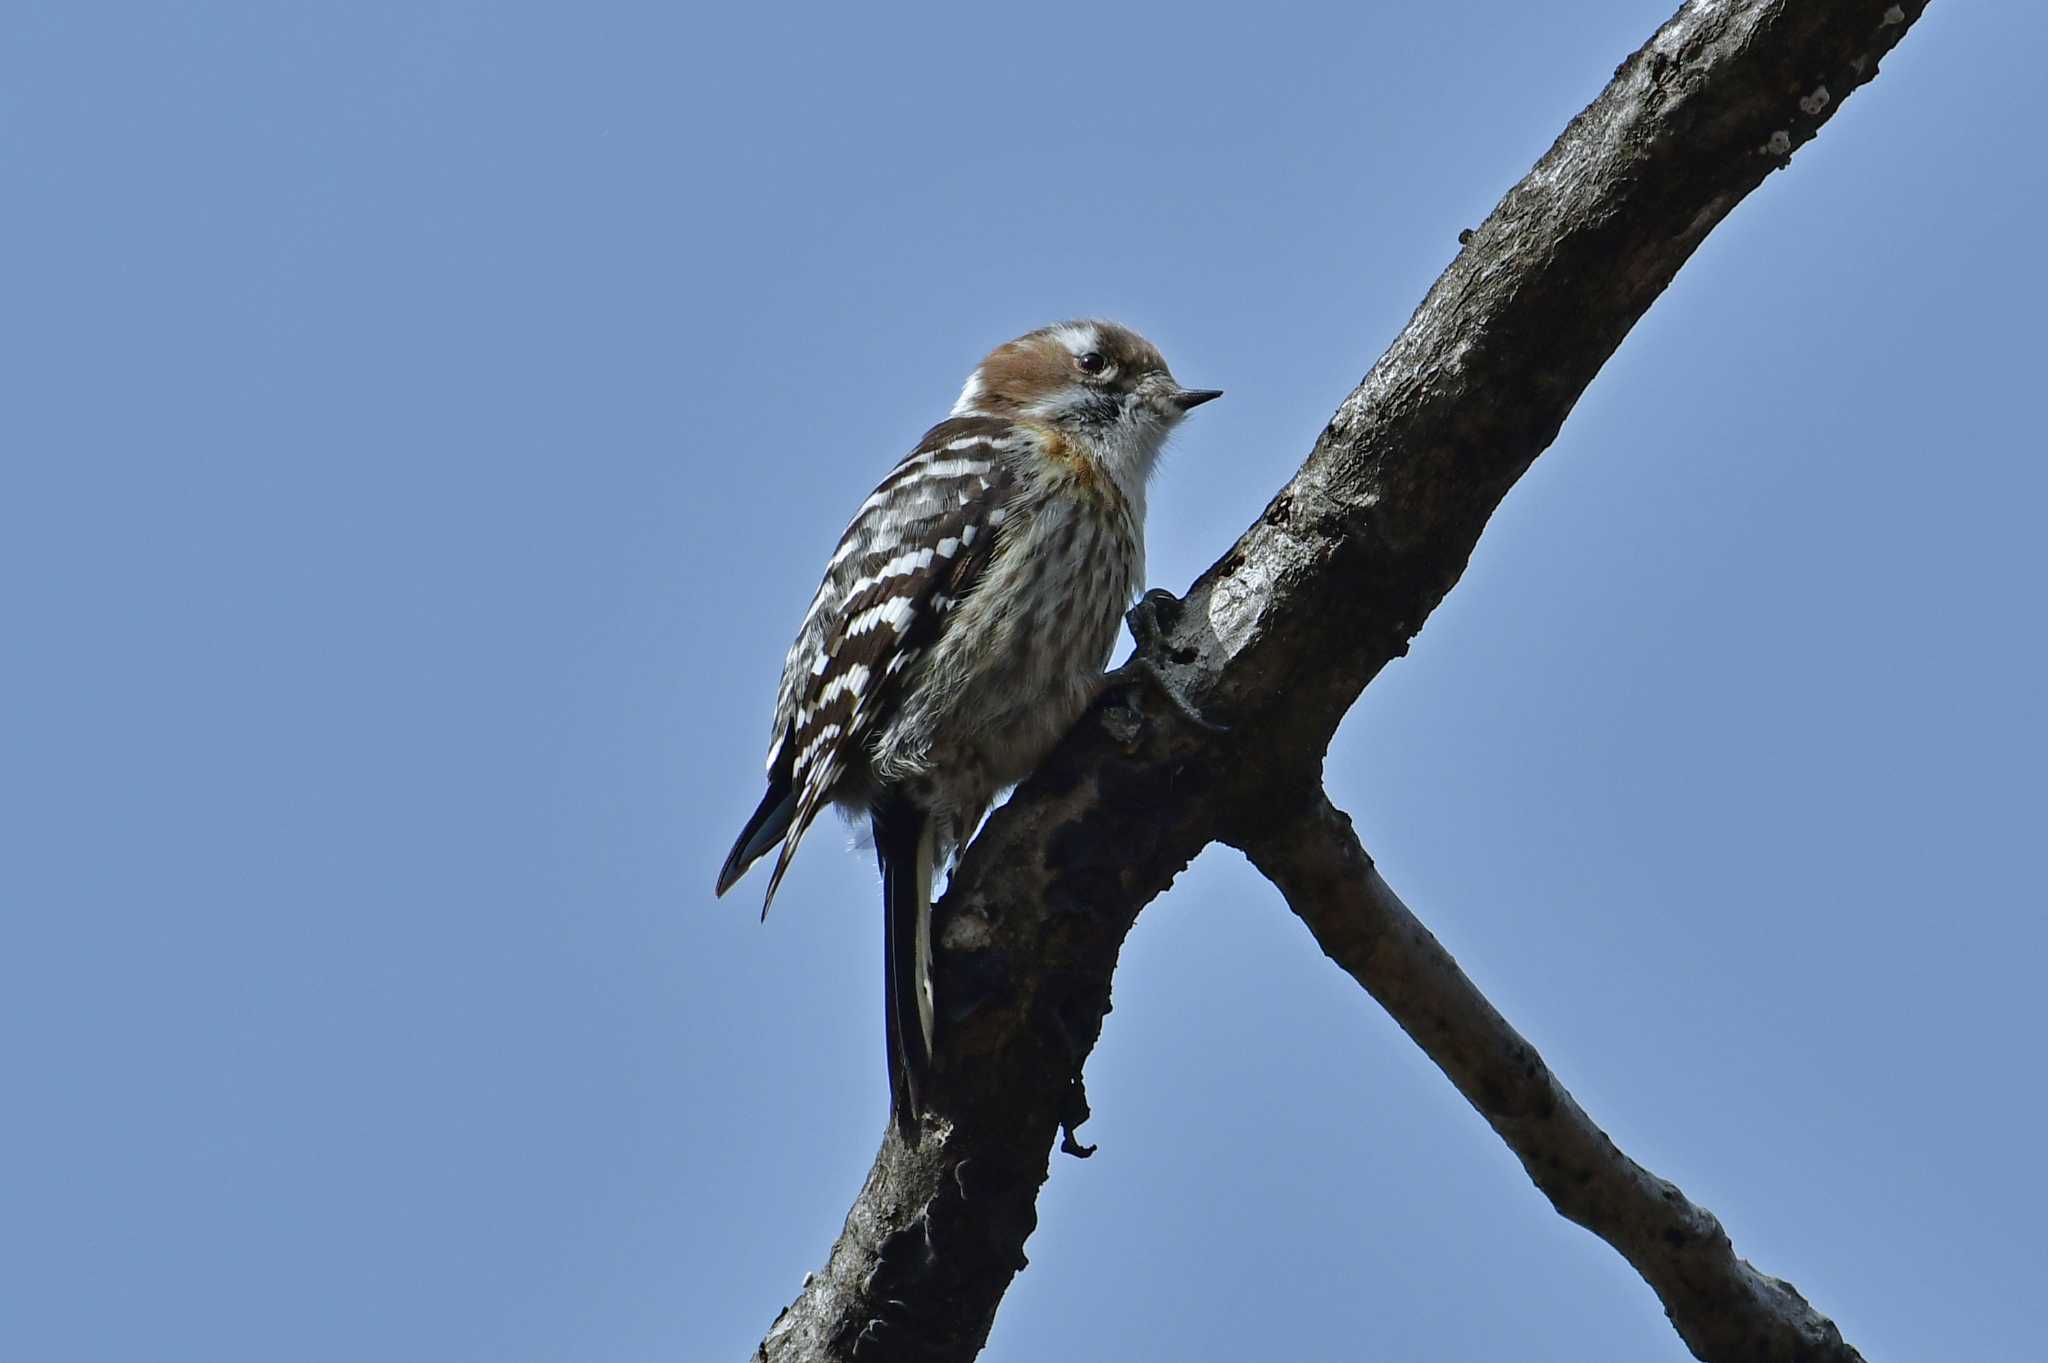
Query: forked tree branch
1281	635
1721	1306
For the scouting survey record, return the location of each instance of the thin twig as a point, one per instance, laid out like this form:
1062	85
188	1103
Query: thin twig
1723	1309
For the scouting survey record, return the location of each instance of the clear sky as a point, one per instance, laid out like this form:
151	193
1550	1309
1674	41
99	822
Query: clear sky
424	424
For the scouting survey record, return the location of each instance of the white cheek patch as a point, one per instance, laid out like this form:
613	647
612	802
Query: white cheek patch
1072	400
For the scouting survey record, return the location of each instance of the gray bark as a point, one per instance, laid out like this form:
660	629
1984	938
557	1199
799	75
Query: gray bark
1276	641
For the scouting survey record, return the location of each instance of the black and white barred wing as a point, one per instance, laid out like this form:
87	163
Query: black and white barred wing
914	549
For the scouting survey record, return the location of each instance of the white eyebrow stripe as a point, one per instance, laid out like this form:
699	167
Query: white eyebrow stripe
1080	338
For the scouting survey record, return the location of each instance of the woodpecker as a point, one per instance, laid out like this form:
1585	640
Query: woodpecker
962	627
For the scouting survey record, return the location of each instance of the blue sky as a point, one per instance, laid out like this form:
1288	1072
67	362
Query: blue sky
425	426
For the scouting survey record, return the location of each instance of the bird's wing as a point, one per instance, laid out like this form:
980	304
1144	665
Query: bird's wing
916	547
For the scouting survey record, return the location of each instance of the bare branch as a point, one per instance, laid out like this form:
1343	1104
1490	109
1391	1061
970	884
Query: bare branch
1722	1308
1280	636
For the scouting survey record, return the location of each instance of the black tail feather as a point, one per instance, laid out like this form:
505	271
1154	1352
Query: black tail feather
769	823
900	845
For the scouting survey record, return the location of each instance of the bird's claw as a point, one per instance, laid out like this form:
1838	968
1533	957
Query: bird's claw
1148	633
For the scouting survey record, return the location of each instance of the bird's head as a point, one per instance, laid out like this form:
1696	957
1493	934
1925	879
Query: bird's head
1097	382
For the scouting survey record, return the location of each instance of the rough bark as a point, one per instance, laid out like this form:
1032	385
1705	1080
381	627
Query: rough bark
1281	635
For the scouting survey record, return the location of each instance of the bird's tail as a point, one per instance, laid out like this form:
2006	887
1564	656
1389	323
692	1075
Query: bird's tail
904	849
770	821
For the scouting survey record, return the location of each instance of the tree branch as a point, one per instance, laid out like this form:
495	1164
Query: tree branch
1721	1307
1281	635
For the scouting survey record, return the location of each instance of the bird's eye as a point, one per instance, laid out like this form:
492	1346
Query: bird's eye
1092	362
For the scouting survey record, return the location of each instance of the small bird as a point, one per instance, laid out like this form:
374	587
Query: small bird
963	626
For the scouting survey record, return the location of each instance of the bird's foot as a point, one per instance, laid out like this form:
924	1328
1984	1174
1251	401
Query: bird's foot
1147	622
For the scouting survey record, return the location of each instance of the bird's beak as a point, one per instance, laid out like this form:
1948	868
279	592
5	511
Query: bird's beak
1187	399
